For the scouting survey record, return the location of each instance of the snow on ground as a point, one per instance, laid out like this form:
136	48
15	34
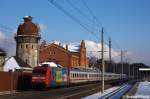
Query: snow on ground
143	89
99	94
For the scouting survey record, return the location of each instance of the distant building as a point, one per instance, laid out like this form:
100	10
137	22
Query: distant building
63	56
27	39
16	64
2	58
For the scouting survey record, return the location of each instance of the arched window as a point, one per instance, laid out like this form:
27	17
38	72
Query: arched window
26	46
32	46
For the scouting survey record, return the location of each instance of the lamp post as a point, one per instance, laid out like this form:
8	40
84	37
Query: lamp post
102	56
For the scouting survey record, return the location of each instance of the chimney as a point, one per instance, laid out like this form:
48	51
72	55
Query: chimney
66	46
59	44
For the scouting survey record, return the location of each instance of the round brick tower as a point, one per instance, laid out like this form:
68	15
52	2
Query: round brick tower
27	39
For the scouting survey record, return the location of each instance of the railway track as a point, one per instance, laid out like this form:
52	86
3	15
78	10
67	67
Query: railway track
118	93
75	92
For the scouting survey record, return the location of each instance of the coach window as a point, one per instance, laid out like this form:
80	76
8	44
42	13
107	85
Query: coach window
71	75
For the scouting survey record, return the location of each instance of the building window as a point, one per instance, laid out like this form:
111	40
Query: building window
32	46
26	46
50	52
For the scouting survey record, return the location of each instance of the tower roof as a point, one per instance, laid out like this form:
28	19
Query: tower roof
28	27
82	44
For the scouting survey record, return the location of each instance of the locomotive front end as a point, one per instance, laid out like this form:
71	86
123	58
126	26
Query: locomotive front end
39	77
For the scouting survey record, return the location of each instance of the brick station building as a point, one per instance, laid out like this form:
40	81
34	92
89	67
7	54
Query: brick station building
63	56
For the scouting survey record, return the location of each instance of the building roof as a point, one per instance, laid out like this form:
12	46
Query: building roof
28	28
14	63
61	48
21	63
144	69
2	52
50	64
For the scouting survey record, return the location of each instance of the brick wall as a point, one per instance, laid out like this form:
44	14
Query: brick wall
56	54
59	55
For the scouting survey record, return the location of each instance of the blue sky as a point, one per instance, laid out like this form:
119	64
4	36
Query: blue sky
126	21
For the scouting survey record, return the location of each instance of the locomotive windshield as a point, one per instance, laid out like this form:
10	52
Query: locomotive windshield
39	72
44	65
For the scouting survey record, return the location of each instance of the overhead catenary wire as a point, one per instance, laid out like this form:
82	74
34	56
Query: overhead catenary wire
82	24
99	23
6	29
72	17
82	14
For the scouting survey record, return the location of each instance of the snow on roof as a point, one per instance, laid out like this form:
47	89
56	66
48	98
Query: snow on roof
51	64
72	47
11	64
14	63
144	69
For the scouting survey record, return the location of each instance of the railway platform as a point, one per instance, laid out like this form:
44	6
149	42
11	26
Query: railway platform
141	90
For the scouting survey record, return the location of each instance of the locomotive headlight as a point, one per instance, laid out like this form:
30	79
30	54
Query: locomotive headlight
38	78
34	77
